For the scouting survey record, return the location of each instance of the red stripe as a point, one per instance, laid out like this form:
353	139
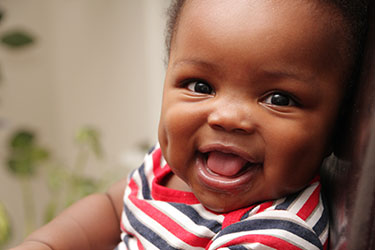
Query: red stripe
156	157
310	204
325	246
264	206
315	179
235	216
139	244
267	240
166	221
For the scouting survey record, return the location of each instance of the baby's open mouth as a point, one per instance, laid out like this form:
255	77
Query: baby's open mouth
226	171
225	164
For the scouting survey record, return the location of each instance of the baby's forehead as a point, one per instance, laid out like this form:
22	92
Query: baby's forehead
290	33
324	11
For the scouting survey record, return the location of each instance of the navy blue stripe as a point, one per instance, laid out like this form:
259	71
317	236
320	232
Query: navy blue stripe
289	200
146	232
145	188
322	222
260	224
151	149
132	174
238	247
246	215
190	212
125	239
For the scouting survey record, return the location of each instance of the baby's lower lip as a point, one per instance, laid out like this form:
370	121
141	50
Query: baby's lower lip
226	184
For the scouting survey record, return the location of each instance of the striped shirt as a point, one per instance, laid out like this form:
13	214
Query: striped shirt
157	217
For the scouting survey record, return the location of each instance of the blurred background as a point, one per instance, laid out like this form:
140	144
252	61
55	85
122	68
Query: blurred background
80	93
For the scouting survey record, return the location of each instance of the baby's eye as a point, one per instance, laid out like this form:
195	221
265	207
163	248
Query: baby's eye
200	87
280	99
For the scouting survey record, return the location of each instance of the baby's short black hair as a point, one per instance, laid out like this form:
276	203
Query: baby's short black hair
173	14
352	12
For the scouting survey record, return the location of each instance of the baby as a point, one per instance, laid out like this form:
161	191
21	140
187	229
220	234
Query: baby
252	93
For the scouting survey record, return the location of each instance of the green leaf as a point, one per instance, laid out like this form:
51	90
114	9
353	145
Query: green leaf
21	167
22	139
16	39
39	154
90	137
5	228
24	154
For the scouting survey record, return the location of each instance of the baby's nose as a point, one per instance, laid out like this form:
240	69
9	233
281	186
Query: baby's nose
232	116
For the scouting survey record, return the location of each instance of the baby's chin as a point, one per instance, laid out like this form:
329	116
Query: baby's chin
222	204
224	208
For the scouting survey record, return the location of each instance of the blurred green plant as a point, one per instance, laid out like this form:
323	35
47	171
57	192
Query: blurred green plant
15	38
66	184
25	156
5	228
73	180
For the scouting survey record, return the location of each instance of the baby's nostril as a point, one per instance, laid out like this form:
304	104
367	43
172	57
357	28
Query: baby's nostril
239	130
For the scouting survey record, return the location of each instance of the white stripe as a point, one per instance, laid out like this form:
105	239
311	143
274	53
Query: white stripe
276	203
324	235
255	210
138	181
316	214
302	198
126	193
133	241
163	162
282	215
257	246
204	213
121	245
154	226
252	246
148	169
281	234
183	220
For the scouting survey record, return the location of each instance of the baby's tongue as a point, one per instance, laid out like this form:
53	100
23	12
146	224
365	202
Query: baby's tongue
225	164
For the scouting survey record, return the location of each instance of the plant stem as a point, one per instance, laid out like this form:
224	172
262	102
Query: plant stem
78	169
28	205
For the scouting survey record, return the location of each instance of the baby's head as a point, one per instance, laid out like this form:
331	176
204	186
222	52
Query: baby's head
252	93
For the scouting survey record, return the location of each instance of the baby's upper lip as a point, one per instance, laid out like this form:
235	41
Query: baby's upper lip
228	149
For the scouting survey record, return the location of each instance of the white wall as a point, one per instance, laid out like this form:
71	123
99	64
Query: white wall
96	62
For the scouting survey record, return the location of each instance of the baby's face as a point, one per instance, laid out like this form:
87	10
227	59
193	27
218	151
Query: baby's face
251	95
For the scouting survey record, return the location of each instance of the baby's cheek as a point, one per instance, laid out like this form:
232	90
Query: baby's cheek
293	160
180	122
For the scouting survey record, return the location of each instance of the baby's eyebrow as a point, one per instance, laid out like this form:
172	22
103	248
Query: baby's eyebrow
291	74
278	72
197	63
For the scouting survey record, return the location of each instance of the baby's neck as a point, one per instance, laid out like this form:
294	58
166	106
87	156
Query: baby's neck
174	182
